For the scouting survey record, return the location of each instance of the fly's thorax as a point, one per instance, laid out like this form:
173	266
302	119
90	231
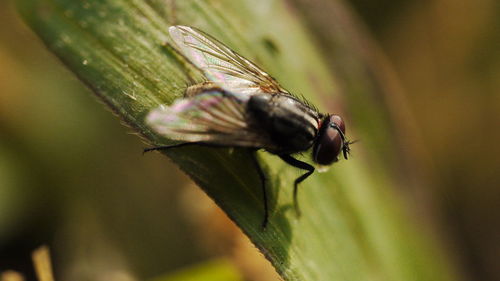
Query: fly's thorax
290	124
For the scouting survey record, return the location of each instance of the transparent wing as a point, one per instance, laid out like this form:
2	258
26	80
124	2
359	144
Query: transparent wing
222	65
213	117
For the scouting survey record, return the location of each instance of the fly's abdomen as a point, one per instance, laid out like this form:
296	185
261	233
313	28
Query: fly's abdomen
289	123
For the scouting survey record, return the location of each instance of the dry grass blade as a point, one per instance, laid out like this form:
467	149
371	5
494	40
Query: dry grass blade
43	264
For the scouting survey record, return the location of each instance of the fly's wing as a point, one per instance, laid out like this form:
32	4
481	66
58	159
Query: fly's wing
222	65
212	117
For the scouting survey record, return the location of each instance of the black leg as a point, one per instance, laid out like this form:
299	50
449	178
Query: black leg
166	147
301	165
255	162
264	190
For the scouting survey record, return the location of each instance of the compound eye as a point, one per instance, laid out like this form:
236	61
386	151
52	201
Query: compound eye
328	145
338	121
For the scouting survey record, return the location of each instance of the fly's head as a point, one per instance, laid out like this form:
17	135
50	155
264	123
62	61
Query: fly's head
331	141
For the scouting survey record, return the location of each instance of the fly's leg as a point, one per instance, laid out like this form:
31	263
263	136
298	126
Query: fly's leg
182	144
254	160
301	165
264	189
167	147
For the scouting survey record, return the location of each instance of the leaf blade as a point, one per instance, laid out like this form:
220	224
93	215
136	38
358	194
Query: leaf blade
118	49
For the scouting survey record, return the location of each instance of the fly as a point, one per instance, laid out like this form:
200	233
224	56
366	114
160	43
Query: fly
242	106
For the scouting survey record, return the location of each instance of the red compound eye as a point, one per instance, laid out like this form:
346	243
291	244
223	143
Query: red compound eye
330	140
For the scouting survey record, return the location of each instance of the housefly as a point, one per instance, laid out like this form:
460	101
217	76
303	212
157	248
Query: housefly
242	106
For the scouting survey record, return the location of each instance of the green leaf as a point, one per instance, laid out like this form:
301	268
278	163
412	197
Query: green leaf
353	225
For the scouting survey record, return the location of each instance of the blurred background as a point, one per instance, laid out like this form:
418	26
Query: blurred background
73	177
